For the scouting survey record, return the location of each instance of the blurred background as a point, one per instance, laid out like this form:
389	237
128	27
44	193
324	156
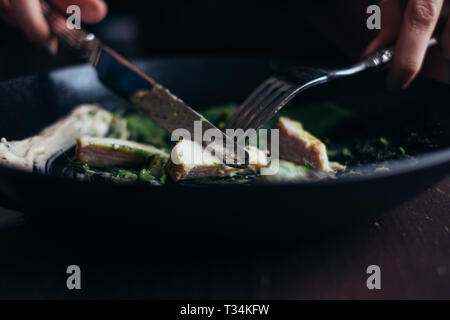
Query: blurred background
323	31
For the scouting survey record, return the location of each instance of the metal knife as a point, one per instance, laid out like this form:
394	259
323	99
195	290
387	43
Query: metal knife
149	97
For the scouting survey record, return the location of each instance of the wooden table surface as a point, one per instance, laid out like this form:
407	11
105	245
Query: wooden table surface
410	244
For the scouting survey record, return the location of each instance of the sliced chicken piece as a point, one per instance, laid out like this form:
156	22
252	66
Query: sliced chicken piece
36	154
190	160
299	146
106	152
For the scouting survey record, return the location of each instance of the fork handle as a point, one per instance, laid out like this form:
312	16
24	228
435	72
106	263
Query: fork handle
376	60
384	56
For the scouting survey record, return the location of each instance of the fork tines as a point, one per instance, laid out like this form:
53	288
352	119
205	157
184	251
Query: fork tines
262	104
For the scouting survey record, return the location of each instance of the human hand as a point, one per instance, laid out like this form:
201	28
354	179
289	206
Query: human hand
28	16
411	23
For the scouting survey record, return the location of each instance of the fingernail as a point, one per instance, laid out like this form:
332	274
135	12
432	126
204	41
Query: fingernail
52	46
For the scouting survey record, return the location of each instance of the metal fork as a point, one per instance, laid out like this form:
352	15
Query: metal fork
266	100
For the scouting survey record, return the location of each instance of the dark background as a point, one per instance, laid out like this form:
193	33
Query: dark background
304	30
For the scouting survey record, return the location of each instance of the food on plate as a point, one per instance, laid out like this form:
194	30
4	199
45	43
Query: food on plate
96	145
190	160
299	146
37	153
289	172
152	173
108	152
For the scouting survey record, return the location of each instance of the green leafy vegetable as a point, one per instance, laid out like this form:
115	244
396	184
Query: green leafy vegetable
285	171
317	118
126	174
220	114
145	131
156	168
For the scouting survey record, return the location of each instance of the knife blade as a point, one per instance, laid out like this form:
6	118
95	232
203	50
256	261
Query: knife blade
150	98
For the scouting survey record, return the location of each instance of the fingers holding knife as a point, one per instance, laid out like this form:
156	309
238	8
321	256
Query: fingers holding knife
28	16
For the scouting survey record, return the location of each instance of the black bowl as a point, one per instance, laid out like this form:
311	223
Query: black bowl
29	104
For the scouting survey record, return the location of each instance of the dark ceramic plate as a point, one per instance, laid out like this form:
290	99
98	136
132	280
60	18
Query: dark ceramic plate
29	104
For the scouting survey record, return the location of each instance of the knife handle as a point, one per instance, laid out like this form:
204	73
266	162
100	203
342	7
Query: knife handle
79	40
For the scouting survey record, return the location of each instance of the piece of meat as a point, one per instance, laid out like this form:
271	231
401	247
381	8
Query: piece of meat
35	154
107	152
299	146
190	160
